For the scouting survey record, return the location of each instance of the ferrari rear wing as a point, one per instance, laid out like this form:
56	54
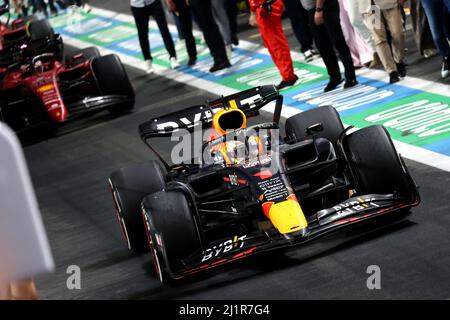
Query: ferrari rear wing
249	101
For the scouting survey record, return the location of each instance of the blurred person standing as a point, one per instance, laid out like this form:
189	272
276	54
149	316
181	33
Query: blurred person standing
142	11
181	9
82	4
362	54
300	25
232	13
18	290
266	14
20	8
324	17
436	11
24	247
203	12
220	14
356	19
380	15
422	31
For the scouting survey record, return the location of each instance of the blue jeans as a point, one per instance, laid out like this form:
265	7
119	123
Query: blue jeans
435	11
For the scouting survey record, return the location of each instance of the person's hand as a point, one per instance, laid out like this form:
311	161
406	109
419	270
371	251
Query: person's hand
318	18
171	5
252	20
188	2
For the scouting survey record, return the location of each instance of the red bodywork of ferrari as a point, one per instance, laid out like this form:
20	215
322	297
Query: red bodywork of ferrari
44	84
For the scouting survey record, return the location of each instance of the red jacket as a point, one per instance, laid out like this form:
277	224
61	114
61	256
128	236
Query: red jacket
277	6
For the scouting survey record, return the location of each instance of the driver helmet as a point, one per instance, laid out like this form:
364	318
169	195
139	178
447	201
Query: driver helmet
39	66
234	151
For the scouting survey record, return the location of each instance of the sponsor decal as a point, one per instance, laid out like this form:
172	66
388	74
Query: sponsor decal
87	26
368	94
111	35
351	207
422	119
45	88
268	74
237	242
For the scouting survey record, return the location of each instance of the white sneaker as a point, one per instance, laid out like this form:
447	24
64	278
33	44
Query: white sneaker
445	72
87	8
174	63
149	68
229	50
309	56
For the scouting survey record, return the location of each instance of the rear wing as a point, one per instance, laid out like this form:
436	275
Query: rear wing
249	101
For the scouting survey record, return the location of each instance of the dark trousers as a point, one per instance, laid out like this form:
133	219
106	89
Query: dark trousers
329	36
232	12
142	17
185	20
436	12
213	38
300	23
41	5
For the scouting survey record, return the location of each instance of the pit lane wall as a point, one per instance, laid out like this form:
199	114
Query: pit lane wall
416	112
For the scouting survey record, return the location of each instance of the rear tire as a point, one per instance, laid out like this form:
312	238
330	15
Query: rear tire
129	186
376	164
171	231
40	29
112	79
297	125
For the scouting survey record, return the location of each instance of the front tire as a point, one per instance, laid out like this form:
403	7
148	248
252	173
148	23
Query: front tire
112	79
171	231
128	187
376	165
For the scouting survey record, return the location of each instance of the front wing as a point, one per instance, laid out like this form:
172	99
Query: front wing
323	223
98	103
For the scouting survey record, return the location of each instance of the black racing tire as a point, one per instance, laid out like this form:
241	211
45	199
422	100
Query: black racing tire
297	125
88	54
129	186
376	165
112	79
40	29
171	231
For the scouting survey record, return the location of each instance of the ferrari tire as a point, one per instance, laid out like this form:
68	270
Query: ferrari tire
296	126
376	165
112	79
129	186
171	231
40	29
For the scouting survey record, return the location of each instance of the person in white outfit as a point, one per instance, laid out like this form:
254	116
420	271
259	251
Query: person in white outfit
142	11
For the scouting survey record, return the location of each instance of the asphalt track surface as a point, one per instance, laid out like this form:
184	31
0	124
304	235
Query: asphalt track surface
70	173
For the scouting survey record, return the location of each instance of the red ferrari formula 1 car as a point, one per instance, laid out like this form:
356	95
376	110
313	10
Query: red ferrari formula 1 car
40	89
256	190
